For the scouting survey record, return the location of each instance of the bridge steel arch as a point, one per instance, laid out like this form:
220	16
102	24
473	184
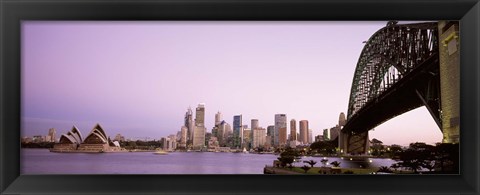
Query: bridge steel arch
397	71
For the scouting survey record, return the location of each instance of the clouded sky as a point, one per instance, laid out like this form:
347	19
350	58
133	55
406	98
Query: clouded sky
139	78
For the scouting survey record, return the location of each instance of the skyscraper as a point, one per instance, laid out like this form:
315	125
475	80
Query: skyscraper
326	135
183	138
342	120
293	130
258	137
218	118
310	136
199	132
280	136
271	133
237	131
254	125
271	130
303	131
51	135
189	124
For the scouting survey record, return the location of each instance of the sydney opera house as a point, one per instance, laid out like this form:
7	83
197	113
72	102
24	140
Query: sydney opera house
96	141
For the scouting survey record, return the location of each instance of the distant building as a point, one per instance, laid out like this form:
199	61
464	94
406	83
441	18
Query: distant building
27	140
293	143
119	137
268	141
271	133
280	137
224	132
342	120
237	131
38	139
218	118
259	135
310	136
334	132
213	144
326	135
188	122
254	125
303	131
293	130
169	143
319	138
51	135
200	130
246	138
183	138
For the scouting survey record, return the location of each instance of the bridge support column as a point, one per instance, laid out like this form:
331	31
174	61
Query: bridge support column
449	80
354	143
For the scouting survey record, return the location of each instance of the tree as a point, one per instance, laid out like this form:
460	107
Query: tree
384	169
395	166
287	157
429	164
310	162
305	168
323	147
447	155
335	163
324	162
416	156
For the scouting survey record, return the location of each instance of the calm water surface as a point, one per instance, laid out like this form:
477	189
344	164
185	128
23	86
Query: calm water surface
41	161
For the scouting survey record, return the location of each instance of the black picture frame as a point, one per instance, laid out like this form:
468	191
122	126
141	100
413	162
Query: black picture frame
12	12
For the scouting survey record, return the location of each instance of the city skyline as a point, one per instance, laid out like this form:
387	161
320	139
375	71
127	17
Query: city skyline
139	78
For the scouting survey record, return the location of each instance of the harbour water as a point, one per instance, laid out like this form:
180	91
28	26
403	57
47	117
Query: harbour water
41	161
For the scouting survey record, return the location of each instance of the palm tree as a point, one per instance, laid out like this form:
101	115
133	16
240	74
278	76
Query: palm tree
395	166
305	168
429	165
335	163
310	162
324	162
384	169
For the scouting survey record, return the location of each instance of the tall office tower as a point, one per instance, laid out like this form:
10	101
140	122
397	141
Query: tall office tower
271	130
183	137
334	132
221	133
189	124
51	135
326	135
199	132
271	133
254	125
218	118
259	136
342	120
293	130
246	137
237	131
303	131
310	136
280	135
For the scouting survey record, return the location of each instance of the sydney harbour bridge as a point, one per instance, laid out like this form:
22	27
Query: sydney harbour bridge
403	67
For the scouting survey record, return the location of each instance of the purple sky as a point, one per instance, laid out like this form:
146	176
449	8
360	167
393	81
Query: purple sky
139	78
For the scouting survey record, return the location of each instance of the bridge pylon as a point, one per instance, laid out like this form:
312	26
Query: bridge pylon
449	54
